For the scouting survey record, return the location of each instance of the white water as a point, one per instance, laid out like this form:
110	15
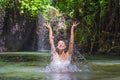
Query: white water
57	65
62	67
66	66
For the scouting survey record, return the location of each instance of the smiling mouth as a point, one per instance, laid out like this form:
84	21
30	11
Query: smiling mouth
61	46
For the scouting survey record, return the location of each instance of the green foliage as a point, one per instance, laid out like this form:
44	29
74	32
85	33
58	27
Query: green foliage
70	7
103	5
29	7
34	7
1	1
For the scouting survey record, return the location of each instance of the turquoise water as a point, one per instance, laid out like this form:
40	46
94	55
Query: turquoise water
29	66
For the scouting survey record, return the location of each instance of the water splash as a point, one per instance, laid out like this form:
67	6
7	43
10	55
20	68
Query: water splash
56	68
65	66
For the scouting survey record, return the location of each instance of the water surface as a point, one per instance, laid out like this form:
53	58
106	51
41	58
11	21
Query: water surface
31	67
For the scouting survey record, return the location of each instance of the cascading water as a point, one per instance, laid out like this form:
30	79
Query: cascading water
43	43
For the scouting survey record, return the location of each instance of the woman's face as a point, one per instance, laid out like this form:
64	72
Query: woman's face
61	45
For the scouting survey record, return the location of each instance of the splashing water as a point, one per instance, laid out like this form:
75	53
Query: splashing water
60	66
76	65
65	66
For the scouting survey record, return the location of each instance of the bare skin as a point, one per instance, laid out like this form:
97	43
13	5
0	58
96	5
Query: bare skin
61	55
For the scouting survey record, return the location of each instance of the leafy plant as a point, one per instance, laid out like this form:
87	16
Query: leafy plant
29	7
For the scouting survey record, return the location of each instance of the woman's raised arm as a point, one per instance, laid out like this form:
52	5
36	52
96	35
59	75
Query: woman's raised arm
51	41
70	48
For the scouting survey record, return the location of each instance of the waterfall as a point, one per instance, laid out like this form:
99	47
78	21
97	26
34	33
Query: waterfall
43	43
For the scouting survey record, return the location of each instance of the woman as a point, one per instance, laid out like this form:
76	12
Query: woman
60	59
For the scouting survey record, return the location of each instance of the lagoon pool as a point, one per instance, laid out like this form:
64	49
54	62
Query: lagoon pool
30	65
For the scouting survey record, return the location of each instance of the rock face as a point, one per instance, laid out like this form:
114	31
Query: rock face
60	29
18	31
2	42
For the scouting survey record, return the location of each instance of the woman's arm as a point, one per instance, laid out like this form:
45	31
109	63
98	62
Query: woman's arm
70	48
51	41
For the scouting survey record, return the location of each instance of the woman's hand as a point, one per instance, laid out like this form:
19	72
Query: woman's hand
75	24
47	25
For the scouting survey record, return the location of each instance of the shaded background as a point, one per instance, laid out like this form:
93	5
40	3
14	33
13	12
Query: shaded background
98	33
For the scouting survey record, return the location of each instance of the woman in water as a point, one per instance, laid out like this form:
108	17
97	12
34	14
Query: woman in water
61	60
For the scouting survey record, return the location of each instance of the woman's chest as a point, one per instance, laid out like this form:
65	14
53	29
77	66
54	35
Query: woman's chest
63	57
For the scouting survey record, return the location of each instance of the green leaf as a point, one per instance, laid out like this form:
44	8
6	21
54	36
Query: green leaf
22	11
